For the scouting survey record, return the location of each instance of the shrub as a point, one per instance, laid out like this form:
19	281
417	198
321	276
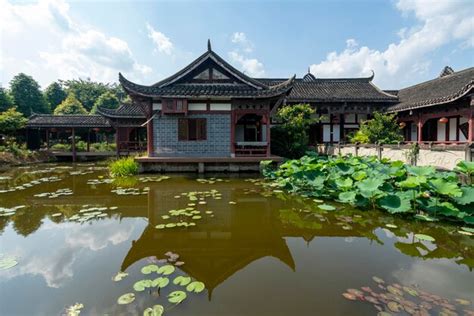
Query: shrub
123	167
103	146
70	106
290	138
61	147
381	129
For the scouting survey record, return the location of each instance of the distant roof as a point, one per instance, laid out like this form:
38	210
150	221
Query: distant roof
67	121
449	87
123	111
311	89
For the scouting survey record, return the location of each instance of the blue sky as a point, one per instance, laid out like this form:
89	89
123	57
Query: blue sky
403	41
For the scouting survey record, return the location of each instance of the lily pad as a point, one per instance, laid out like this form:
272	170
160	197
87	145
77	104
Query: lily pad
195	287
391	226
126	299
424	237
141	285
156	310
149	269
326	207
462	301
119	276
160	282
378	280
166	270
74	310
182	280
8	262
177	297
349	296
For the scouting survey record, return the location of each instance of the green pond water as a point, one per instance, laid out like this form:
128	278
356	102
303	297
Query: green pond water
66	231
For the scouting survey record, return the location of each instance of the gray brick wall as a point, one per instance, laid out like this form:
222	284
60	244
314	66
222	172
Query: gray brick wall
166	142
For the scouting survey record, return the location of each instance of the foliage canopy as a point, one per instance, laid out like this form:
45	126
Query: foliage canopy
11	121
27	96
70	106
106	100
381	129
54	95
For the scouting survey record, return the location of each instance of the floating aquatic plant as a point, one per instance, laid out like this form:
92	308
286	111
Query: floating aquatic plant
119	276
74	310
7	262
177	297
156	310
57	193
126	298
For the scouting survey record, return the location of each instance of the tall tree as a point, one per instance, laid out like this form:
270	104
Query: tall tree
106	100
10	121
54	95
5	100
86	91
27	96
70	106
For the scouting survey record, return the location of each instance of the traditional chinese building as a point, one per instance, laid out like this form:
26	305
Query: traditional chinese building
439	110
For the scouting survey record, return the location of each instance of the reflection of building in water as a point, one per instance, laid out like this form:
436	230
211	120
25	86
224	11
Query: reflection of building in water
220	246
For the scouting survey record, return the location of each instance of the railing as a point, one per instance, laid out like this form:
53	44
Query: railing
243	149
132	146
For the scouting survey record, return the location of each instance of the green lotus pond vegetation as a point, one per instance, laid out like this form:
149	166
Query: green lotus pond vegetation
368	183
123	167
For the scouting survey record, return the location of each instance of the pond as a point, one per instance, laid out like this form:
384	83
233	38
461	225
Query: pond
66	231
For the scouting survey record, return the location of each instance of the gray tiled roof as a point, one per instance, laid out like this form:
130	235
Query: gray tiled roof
441	90
206	89
124	111
67	121
335	90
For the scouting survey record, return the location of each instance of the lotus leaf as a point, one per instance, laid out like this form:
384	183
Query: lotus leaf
421	171
395	203
444	187
156	310
359	175
466	167
344	184
149	269
141	285
391	226
378	280
347	197
195	287
326	207
160	226
160	282
424	237
349	296
182	280
370	185
177	297
467	196
463	301
74	310
170	225
412	182
425	218
126	298
166	270
468	229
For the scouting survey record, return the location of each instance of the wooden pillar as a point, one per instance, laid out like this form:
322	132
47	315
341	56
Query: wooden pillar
268	136
47	138
420	130
331	129
470	137
149	131
88	139
117	142
73	144
341	127
232	133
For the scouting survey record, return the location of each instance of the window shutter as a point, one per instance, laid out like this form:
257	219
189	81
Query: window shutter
202	129
182	129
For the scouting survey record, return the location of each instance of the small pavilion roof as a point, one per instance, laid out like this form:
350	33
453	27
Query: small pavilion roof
123	111
449	87
67	121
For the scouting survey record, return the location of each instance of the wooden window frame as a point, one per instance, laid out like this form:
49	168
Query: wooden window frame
200	129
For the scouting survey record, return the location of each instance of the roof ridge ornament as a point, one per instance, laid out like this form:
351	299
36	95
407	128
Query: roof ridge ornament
209	48
372	76
446	71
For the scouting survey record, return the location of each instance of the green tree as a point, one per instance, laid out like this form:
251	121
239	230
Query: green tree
382	129
27	96
106	100
11	121
86	91
54	95
5	100
70	106
290	138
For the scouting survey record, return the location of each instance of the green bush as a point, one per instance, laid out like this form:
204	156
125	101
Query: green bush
61	147
103	146
382	129
123	167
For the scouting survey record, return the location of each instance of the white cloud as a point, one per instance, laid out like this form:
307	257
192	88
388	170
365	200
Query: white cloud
405	62
250	66
63	48
241	39
239	56
162	42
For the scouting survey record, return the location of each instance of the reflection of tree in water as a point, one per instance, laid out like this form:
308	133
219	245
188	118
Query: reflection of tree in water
27	221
